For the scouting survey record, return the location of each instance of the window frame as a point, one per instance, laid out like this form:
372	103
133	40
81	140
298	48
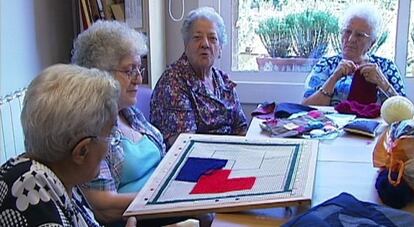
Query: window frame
296	78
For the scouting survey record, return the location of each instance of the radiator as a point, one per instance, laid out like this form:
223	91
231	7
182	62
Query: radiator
11	134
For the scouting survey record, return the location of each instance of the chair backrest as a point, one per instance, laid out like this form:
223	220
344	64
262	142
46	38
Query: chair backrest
143	100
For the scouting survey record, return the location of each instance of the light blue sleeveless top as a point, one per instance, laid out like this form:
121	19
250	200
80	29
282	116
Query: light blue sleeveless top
141	159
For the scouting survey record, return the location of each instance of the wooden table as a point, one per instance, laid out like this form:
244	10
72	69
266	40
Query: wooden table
344	165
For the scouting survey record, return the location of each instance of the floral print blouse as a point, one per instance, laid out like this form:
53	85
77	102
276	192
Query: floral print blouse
326	67
181	103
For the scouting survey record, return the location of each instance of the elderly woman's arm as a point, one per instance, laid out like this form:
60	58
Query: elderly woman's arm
108	206
241	120
373	74
323	96
326	87
171	108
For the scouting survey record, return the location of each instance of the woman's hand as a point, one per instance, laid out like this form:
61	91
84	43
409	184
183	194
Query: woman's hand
344	68
131	222
372	74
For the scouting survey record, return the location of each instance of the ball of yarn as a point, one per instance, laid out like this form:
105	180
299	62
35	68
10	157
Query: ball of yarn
394	196
397	108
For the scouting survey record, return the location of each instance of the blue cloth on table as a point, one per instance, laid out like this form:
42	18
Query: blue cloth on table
285	109
362	127
346	210
194	168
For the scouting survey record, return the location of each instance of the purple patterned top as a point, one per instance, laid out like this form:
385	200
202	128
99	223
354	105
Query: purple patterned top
181	103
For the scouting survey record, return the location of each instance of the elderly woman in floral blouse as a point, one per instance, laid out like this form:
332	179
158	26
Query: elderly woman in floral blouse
192	95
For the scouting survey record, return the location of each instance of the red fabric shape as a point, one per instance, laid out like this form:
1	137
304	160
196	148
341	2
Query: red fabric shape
372	110
265	111
217	181
361	90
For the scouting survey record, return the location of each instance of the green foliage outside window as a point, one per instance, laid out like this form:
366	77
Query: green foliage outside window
311	32
253	35
275	36
306	34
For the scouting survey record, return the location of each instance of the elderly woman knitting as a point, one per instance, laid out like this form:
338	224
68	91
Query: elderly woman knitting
65	140
192	95
330	80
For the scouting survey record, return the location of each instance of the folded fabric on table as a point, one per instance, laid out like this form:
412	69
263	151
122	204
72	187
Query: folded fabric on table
372	110
346	210
265	110
285	109
363	127
298	126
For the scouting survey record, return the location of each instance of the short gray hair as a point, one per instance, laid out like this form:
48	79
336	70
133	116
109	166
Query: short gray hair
105	43
367	12
204	13
64	104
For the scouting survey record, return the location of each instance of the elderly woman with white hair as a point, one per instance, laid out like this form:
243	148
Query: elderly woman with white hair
114	47
198	97
329	82
65	140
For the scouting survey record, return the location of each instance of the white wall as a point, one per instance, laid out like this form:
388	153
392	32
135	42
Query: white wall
33	35
174	40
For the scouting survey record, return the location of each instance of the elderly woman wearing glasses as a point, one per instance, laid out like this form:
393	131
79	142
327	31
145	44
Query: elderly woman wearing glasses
198	97
113	46
65	141
330	80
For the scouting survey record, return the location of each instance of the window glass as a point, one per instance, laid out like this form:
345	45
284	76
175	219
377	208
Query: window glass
410	59
266	34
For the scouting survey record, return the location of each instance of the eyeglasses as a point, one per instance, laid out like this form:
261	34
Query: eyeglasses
132	73
346	33
113	139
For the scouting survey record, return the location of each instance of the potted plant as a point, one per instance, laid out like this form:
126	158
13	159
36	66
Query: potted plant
297	41
275	36
311	31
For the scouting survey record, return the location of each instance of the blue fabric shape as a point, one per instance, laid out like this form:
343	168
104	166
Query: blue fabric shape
344	209
194	168
285	109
